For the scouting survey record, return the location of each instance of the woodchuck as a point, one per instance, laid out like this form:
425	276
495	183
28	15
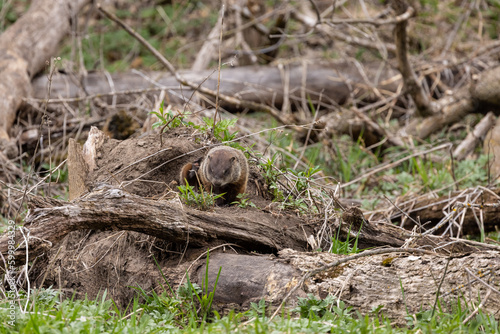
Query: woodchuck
223	170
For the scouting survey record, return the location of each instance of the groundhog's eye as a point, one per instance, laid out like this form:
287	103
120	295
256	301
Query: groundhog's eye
226	172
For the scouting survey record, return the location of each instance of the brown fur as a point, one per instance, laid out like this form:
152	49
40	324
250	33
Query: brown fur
189	174
223	170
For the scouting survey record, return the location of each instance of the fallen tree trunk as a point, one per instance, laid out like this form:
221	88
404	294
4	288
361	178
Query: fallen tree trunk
25	49
261	84
325	85
399	284
110	208
333	82
410	282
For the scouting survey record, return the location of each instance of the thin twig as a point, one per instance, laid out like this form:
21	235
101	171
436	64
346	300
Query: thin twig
439	287
485	299
219	70
492	288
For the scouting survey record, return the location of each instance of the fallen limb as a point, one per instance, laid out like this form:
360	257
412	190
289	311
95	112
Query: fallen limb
109	208
26	48
475	137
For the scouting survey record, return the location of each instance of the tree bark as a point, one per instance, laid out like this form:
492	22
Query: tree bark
261	84
401	284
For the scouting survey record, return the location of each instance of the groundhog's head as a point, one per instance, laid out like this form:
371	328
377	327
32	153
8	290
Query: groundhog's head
222	166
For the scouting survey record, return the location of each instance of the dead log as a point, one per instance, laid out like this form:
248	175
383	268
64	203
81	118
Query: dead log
332	81
260	84
25	49
410	283
110	208
460	213
480	96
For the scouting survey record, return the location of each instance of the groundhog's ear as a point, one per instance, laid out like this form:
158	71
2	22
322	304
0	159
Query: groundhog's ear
233	159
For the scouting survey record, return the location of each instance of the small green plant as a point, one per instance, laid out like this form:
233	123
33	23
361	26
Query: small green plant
315	308
201	200
271	174
221	128
200	299
244	202
303	178
168	119
258	309
344	247
297	203
297	198
293	199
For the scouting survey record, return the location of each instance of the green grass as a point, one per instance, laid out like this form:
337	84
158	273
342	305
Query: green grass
170	313
346	161
105	44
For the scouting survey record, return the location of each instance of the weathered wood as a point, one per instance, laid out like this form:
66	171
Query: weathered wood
381	280
244	278
261	84
25	47
105	208
77	170
110	208
473	139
